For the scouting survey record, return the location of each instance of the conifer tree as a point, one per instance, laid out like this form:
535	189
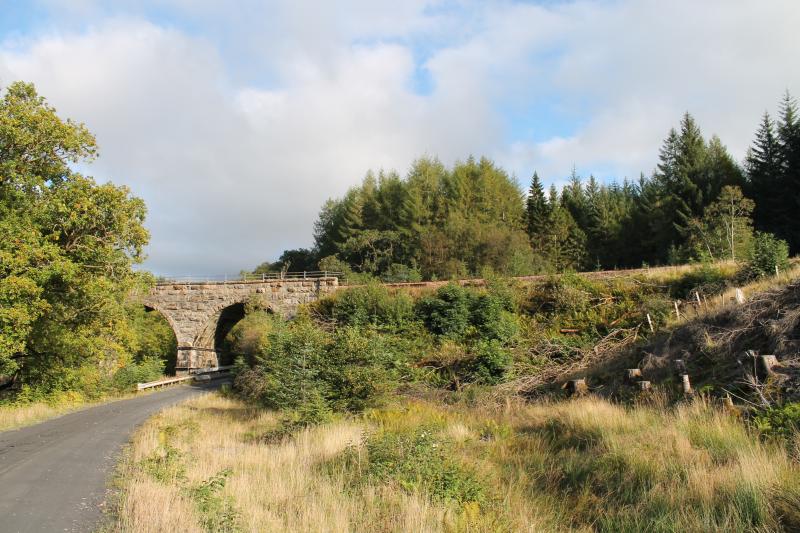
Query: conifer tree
352	219
537	211
764	172
788	137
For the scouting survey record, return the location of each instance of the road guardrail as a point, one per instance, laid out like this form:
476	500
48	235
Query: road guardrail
194	374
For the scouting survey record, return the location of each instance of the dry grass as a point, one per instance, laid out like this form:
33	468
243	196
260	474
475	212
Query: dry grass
270	487
581	465
15	416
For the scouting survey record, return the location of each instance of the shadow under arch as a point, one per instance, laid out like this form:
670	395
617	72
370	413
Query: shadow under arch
210	345
159	338
228	318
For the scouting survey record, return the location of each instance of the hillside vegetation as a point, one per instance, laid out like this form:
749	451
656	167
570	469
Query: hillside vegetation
391	410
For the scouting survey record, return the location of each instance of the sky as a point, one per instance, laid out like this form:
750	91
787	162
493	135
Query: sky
236	120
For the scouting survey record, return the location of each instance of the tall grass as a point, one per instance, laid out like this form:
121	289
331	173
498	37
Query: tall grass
583	465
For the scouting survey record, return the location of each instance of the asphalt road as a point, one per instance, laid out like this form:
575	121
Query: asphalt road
54	475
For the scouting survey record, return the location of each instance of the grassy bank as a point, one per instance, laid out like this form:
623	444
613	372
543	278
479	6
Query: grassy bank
17	415
215	464
14	415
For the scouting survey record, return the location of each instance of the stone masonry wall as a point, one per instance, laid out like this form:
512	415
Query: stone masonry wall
193	309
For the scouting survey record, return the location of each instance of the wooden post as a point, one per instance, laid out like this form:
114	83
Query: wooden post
697	295
727	402
677	313
739	296
650	323
687	385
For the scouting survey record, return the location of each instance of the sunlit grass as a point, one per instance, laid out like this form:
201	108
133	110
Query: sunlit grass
17	415
584	465
22	414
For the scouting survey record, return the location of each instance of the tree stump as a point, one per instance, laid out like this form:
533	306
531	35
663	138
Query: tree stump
644	385
632	375
739	296
576	387
764	365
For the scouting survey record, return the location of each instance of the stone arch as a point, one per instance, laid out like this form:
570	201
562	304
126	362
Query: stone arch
193	310
209	338
170	320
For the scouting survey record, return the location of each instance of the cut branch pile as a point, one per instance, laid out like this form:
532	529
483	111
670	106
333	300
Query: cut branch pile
558	366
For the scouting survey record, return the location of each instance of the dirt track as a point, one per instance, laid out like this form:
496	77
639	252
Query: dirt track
53	476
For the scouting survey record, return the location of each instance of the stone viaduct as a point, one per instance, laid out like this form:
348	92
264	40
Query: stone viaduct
202	313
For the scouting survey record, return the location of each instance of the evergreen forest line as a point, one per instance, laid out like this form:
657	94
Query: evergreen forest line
441	223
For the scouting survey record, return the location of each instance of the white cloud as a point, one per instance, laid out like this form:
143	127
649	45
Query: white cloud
237	124
633	68
233	175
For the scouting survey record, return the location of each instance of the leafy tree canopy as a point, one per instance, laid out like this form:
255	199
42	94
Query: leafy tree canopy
67	246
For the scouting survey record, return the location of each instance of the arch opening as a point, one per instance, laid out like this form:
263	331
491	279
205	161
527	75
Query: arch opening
156	338
228	318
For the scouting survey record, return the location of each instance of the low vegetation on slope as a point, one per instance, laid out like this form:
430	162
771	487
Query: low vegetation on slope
713	348
350	350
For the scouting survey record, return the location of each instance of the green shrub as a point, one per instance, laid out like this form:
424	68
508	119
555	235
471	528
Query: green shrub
492	317
153	337
126	378
459	313
165	464
360	369
303	369
567	294
398	273
658	306
370	305
420	462
782	422
491	363
447	312
706	280
217	511
769	253
248	336
287	370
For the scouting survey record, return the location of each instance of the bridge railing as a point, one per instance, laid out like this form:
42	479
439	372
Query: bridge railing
246	276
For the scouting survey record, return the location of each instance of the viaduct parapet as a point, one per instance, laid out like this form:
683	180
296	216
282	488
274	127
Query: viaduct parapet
201	314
